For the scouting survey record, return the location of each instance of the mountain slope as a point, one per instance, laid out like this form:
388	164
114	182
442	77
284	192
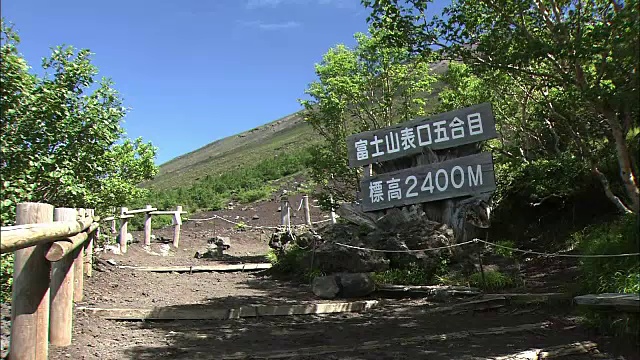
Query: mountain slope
286	134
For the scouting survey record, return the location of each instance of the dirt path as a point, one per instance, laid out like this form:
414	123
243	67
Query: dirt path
397	329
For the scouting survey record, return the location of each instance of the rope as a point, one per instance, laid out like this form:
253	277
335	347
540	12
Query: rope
235	223
558	255
492	244
405	251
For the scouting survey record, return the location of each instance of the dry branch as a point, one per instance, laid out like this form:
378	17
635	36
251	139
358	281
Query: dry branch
23	236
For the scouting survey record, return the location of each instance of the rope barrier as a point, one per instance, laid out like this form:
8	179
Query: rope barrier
492	244
408	250
558	255
235	223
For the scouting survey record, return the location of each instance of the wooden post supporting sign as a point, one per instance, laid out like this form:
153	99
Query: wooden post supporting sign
307	214
147	226
123	229
78	267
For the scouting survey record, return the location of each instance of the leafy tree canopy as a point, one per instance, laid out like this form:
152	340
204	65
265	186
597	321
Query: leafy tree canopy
62	140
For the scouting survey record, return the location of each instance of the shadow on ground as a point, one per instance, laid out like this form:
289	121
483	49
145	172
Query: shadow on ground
398	329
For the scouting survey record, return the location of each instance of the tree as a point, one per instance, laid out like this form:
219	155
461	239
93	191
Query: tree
575	63
360	89
62	140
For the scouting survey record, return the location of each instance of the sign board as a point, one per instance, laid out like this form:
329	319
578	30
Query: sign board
468	175
446	130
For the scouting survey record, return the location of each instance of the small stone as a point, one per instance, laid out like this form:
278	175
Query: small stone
255	217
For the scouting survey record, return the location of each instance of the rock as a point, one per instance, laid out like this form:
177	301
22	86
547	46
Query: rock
355	285
255	217
325	287
279	209
128	237
244	208
153	237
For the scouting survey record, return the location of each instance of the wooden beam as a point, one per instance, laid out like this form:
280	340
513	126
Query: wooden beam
200	268
139	211
62	248
62	273
482	304
166	212
623	302
24	236
30	295
204	313
583	347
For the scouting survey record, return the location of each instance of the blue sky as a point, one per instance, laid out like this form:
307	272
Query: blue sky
193	71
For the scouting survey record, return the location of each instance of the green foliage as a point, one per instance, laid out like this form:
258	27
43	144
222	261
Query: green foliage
359	89
503	248
413	274
493	280
562	77
610	274
6	277
62	142
288	262
243	184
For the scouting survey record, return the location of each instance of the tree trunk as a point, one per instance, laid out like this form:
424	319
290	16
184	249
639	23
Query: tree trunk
624	160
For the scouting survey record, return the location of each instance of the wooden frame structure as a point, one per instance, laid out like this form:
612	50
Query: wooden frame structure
148	211
53	251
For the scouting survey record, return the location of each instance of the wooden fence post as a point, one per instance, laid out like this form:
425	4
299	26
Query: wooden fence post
113	222
177	221
123	230
307	213
78	267
333	213
62	281
284	212
88	261
147	227
30	295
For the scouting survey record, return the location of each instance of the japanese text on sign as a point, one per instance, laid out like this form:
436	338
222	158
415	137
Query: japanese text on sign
458	177
441	131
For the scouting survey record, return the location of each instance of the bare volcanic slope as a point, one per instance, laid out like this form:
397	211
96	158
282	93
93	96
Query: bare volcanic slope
285	134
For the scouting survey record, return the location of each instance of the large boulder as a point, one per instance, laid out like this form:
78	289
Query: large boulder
355	285
325	287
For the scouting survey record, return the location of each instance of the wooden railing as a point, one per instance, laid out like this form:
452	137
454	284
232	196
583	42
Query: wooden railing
53	252
148	211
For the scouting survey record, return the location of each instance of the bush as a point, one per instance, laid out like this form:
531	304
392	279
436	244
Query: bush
610	274
6	277
252	195
411	275
493	280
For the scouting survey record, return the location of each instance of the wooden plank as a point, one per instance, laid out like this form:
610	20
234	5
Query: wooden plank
23	236
464	176
139	211
109	218
481	304
429	290
198	268
577	348
204	313
528	298
624	302
30	293
441	131
375	345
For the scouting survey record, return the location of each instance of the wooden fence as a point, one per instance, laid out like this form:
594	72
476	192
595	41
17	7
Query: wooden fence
148	211
53	252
